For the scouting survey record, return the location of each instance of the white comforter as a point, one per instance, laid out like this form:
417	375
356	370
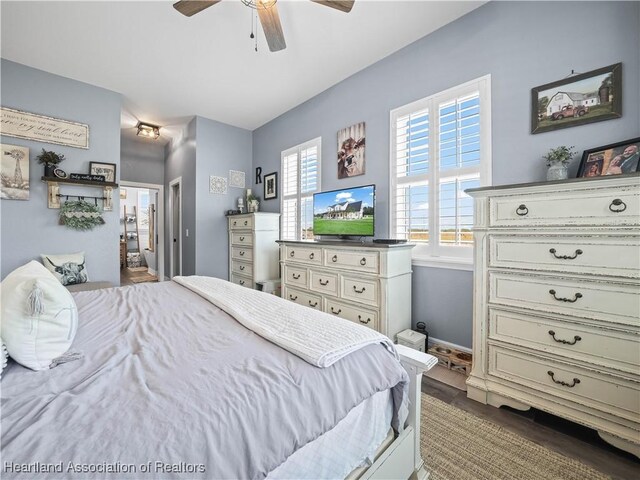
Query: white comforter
316	337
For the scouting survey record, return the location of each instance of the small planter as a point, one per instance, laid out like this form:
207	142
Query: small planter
253	206
49	169
557	171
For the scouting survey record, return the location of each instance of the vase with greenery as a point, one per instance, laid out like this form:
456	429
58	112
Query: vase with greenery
558	160
253	203
50	160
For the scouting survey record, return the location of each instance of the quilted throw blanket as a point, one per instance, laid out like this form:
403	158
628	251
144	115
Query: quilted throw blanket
317	337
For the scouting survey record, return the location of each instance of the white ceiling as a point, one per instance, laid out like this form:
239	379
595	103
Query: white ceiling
169	67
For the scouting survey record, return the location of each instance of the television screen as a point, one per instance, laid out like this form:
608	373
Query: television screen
349	211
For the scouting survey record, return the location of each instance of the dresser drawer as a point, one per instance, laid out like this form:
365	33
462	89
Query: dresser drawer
241	253
610	348
598	300
242	268
295	276
360	290
240	223
363	316
591	207
594	255
299	254
302	298
324	282
571	382
242	238
359	261
242	280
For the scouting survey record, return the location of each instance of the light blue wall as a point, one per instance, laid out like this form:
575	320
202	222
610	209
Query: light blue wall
29	228
180	161
219	148
141	161
522	45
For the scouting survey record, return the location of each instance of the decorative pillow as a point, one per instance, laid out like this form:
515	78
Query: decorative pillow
69	269
39	316
3	355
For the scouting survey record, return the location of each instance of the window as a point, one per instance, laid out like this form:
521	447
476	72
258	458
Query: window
300	180
440	146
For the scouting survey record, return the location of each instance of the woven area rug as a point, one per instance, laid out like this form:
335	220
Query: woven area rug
457	445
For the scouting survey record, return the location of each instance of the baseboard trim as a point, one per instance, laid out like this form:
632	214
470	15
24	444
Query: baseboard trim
433	340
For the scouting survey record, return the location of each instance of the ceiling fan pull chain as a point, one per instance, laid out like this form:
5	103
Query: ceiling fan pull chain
255	16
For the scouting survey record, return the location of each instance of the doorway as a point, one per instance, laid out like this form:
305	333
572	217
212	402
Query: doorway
141	233
175	229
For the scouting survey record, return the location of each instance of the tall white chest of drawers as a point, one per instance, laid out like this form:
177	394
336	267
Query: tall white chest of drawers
368	284
253	251
557	302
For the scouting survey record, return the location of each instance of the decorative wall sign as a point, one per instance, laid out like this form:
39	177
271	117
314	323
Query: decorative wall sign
87	176
236	179
351	151
14	172
217	185
615	159
106	169
585	98
271	186
31	126
258	175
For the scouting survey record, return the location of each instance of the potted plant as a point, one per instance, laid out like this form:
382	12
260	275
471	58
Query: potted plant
50	160
558	160
253	203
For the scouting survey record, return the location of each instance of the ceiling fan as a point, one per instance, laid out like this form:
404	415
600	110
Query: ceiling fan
267	12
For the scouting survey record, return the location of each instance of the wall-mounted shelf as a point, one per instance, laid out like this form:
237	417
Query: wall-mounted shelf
54	195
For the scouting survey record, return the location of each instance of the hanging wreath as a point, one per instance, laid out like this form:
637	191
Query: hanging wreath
80	215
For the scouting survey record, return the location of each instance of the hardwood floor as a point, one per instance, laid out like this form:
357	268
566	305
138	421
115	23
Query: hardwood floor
562	436
129	277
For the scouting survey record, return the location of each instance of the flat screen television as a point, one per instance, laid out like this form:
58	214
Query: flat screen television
345	212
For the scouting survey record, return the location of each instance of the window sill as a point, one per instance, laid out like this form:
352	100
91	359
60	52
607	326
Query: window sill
451	263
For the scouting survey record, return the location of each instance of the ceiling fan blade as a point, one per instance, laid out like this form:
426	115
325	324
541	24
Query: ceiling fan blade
342	5
271	26
191	7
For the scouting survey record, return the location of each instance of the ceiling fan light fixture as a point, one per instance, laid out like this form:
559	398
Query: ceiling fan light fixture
259	3
148	131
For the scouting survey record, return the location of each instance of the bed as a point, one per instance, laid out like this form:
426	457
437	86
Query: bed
172	386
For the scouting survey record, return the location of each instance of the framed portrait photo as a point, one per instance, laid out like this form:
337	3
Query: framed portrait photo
615	159
580	99
106	169
270	186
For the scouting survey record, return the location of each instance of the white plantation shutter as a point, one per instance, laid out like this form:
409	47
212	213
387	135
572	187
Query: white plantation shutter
440	146
301	179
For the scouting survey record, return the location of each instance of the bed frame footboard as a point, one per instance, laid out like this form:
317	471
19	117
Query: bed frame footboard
402	459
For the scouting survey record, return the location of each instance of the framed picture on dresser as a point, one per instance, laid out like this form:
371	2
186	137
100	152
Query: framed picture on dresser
614	159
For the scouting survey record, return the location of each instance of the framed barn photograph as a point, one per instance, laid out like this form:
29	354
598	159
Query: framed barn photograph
351	151
14	172
615	159
580	99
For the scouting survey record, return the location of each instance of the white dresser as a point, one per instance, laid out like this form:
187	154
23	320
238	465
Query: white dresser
557	302
365	283
253	251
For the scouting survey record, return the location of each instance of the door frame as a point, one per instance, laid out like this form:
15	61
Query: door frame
160	223
172	183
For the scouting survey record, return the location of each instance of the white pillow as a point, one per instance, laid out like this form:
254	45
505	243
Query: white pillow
38	316
3	355
69	269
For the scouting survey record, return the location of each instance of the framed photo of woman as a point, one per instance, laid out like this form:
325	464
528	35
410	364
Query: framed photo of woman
615	159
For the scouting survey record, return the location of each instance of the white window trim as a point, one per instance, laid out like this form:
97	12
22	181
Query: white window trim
315	142
458	258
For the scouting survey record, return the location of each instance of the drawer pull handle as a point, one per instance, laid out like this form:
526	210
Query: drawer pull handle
325	283
296	276
235	223
565	257
242	239
241	282
560	382
292	254
314	305
291	297
334	259
311	255
245	223
334	312
242	253
561	299
617	203
576	339
522	210
241	268
363	321
363	261
358	291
